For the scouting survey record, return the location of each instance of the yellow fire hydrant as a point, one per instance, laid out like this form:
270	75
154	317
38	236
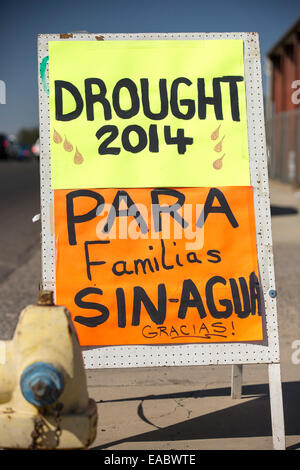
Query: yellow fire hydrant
44	402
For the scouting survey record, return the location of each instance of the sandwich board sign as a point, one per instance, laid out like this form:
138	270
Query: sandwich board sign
155	202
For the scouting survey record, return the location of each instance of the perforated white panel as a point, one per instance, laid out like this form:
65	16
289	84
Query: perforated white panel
193	354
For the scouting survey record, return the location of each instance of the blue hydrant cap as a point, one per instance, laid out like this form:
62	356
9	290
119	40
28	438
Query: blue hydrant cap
42	384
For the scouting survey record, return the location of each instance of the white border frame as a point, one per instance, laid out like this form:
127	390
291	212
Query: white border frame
180	354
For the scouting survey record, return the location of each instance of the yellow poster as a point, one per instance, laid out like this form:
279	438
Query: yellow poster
148	114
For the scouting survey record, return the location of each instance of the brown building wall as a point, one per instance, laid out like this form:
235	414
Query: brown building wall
283	118
286	69
277	84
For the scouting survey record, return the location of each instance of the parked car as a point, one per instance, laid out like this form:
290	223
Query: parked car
23	152
13	147
4	144
35	149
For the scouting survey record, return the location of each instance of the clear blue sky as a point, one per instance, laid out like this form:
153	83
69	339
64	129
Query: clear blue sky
22	21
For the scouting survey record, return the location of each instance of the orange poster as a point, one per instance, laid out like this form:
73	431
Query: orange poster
158	266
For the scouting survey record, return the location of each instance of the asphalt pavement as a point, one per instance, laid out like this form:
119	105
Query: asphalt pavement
171	407
19	201
19	239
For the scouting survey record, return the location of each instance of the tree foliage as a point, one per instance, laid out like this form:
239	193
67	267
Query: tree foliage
28	136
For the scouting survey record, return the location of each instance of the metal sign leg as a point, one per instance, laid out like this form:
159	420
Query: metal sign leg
236	381
276	407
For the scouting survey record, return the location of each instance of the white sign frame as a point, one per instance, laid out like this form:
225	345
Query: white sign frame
180	354
237	354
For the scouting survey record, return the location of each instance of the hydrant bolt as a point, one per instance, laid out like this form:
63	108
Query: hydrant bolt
42	384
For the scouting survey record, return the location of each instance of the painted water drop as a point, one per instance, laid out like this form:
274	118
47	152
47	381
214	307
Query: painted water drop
218	147
67	145
78	158
218	163
57	137
215	134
